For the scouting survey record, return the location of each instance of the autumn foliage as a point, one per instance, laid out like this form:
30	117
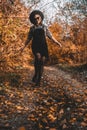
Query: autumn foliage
14	27
74	46
60	102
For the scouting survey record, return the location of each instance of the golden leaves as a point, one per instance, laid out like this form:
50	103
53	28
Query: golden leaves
51	117
84	124
61	111
57	103
86	91
52	129
72	120
22	128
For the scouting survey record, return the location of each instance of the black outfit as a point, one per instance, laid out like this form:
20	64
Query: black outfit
39	44
38	35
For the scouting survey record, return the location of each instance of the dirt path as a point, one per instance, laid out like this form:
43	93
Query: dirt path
59	104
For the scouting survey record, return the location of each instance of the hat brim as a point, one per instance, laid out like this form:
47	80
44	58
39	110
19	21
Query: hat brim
32	15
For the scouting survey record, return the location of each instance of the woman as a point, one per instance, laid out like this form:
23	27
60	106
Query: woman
37	34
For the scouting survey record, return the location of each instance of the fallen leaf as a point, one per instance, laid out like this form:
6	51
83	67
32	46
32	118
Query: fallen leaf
21	128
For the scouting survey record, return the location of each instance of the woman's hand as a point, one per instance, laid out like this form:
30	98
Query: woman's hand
26	43
55	41
58	43
21	50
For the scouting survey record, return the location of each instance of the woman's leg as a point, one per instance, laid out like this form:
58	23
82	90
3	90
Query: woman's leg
37	64
42	65
38	59
35	71
41	61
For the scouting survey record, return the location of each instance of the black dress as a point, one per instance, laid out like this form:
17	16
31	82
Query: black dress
39	44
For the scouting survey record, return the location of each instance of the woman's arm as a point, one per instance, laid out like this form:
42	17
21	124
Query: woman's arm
29	37
26	43
55	41
50	36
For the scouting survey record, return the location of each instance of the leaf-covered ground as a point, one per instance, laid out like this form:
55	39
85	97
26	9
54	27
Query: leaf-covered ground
60	103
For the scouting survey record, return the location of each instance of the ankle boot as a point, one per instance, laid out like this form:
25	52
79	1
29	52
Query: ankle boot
40	72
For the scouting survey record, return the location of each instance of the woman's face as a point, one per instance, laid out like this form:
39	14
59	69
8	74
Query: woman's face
38	19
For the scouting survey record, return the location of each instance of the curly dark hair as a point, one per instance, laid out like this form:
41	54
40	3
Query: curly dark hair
32	15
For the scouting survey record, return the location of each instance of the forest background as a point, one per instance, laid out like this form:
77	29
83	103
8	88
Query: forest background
68	25
60	103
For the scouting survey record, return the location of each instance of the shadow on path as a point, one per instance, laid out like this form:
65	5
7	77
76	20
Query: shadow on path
59	104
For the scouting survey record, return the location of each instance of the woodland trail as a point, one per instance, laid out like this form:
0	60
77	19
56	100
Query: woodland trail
60	103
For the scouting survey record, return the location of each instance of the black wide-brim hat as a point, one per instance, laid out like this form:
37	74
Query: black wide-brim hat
32	15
